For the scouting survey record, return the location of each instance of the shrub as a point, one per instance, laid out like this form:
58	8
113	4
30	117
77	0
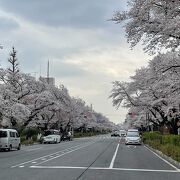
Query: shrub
167	144
27	142
85	134
34	138
30	132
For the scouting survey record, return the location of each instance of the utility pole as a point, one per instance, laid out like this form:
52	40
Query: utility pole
48	72
91	107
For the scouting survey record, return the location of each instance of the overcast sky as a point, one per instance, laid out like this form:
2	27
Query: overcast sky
86	51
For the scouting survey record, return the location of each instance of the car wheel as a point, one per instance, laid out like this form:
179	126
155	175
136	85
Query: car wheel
10	147
19	147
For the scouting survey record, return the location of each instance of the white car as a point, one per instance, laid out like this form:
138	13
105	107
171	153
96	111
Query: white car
9	139
133	138
133	130
52	138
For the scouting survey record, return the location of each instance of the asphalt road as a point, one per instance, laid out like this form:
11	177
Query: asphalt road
95	158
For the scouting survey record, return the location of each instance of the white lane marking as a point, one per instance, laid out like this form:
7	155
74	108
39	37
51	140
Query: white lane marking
57	167
66	153
102	168
33	149
163	159
114	157
46	156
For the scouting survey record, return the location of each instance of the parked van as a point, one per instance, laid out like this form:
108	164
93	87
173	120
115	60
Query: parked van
9	139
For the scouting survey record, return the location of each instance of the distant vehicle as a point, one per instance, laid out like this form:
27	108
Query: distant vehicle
133	137
133	130
67	136
51	132
52	138
122	133
9	139
115	134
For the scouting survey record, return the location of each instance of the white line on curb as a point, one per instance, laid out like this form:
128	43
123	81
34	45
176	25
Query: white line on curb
114	157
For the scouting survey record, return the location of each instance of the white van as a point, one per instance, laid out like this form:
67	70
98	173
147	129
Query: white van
9	139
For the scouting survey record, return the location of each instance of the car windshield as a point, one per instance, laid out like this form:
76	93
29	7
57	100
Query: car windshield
3	134
132	134
50	132
49	136
122	131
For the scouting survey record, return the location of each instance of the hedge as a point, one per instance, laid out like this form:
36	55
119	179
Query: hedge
167	144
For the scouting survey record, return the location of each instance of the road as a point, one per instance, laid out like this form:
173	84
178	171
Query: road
94	158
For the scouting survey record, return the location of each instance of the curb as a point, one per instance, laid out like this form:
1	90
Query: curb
30	144
167	158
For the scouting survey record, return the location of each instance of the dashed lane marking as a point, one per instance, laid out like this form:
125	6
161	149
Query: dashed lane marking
52	156
41	158
65	153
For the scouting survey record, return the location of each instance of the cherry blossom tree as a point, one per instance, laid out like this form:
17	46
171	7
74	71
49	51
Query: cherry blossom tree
153	89
26	102
153	22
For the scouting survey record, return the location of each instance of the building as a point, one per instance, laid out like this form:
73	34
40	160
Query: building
49	80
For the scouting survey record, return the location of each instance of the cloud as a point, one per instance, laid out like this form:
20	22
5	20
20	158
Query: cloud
72	13
111	61
62	69
86	51
7	24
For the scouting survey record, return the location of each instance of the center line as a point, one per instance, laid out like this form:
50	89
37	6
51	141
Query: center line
114	157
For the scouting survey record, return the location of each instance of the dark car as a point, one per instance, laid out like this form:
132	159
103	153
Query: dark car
115	134
67	136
